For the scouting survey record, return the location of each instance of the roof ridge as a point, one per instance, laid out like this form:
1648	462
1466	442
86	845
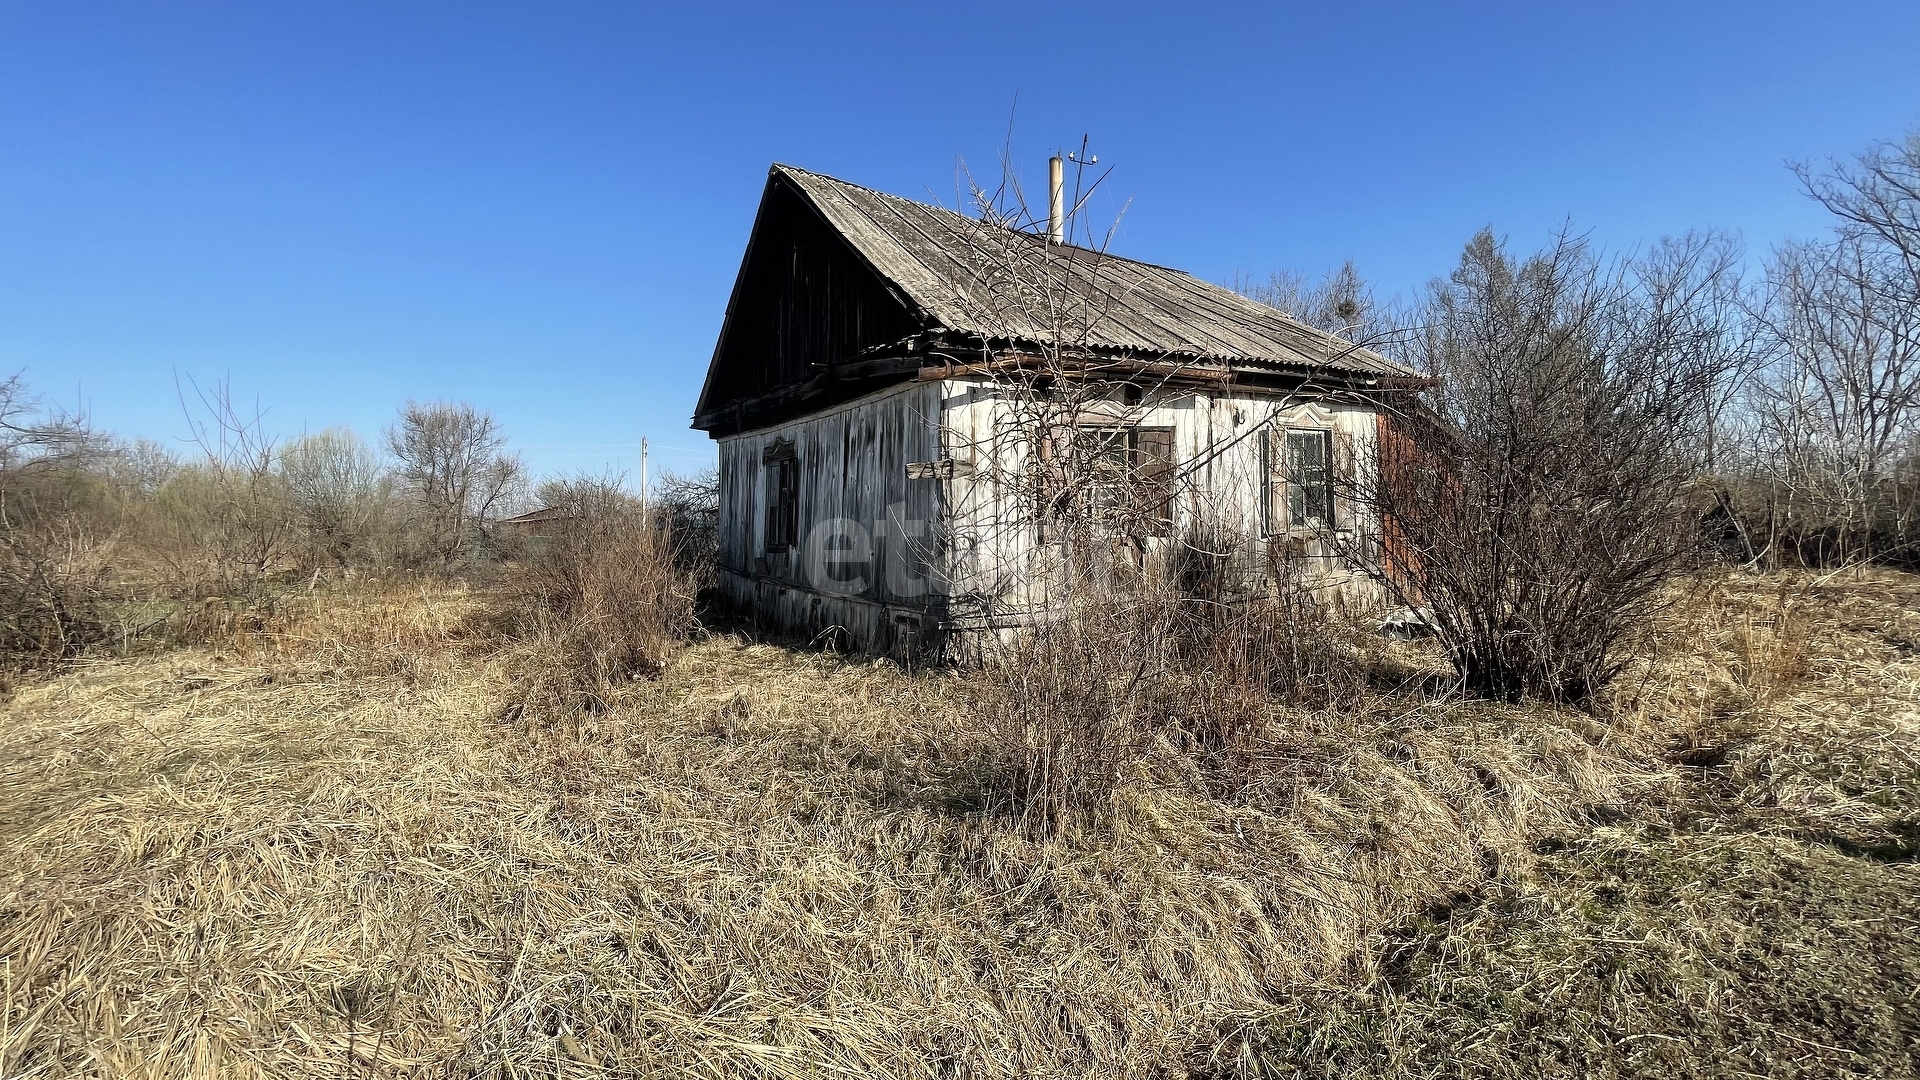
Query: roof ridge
780	166
1228	323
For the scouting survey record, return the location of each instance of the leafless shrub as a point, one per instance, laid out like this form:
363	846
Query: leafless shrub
1142	612
1282	640
58	526
1178	653
1064	708
223	524
689	506
1537	491
598	603
339	493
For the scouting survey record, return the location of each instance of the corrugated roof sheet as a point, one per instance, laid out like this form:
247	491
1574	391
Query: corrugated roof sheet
976	277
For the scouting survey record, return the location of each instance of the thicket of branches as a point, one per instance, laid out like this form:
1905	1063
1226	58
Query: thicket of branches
1539	489
1827	468
1589	429
1592	428
58	525
1145	613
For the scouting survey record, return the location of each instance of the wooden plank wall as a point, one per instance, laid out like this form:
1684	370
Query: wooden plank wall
997	565
960	551
852	469
804	301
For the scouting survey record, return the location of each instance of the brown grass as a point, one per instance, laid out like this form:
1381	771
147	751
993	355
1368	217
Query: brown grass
1756	915
322	848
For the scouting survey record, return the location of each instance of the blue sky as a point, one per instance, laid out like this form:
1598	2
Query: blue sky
539	208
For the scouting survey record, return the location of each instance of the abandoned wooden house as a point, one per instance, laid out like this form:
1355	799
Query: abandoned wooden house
873	483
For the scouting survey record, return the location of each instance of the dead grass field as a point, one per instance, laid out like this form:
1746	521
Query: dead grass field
329	846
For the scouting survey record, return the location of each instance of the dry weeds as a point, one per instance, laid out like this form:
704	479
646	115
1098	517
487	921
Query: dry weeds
321	847
1757	916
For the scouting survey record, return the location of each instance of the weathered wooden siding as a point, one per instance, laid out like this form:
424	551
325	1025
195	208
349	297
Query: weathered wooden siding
957	550
805	302
868	568
997	563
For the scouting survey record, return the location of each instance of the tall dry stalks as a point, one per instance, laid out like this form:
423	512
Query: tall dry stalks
1181	654
598	602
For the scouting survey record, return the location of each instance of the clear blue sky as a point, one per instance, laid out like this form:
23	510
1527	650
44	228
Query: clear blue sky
539	208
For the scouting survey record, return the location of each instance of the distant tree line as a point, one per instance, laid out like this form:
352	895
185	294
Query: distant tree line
91	525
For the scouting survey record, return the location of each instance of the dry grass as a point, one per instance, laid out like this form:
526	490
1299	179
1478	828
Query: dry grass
1759	916
321	848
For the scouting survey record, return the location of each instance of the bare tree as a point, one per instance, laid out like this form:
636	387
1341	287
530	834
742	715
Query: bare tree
453	457
1125	568
337	485
1537	491
1339	302
35	435
1877	196
1836	407
1089	495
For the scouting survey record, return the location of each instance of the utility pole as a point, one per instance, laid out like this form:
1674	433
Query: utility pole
644	515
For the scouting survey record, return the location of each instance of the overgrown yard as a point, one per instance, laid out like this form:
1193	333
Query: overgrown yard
342	842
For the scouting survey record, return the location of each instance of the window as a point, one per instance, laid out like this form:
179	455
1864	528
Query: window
1299	472
783	496
1153	471
1130	474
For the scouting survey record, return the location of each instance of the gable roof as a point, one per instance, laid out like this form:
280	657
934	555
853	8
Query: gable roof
844	290
959	272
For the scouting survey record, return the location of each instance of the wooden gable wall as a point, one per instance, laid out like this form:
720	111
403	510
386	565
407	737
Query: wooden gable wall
804	304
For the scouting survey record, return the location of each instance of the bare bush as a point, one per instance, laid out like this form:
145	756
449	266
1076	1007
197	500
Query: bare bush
58	524
1145	609
599	602
1175	653
1537	490
689	505
223	524
338	488
1067	698
1066	708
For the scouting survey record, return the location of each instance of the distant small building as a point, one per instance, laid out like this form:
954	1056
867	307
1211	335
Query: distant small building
543	523
864	482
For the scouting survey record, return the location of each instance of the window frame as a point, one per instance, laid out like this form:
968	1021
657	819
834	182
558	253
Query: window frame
1132	469
1279	484
781	480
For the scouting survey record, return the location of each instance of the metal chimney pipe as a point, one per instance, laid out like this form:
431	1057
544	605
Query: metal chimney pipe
1056	200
